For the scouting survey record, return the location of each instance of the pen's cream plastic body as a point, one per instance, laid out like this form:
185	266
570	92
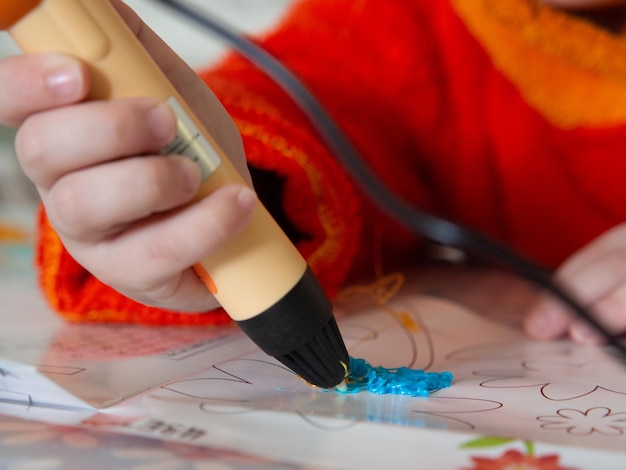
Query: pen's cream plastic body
92	31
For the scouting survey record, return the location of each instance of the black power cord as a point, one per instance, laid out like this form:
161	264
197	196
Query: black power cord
428	225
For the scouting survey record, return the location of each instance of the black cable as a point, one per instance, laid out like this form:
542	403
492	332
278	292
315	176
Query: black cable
432	227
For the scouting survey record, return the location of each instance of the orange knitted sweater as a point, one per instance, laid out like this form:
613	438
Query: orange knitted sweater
503	115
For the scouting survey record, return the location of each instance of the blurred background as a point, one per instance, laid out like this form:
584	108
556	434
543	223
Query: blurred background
196	46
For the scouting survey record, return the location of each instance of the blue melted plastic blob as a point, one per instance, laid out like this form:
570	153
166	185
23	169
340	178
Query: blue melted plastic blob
400	381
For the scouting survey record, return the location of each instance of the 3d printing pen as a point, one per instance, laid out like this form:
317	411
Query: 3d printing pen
260	278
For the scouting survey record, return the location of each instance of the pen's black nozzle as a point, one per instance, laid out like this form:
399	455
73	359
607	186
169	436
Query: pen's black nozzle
301	332
322	360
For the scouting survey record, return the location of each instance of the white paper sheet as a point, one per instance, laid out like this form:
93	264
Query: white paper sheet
215	388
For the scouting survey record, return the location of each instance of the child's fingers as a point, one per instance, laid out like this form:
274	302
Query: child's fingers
147	259
608	244
548	319
95	203
601	272
611	313
185	293
52	144
175	242
595	276
33	83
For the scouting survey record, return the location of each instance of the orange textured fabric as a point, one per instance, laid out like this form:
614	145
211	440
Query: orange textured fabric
456	105
595	58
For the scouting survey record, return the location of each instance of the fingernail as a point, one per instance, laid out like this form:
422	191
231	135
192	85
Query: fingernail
246	198
64	79
162	123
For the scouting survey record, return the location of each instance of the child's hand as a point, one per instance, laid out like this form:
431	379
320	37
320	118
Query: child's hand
596	274
122	210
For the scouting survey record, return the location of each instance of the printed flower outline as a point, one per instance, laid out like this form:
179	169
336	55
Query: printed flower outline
598	420
598	375
511	458
514	459
522	364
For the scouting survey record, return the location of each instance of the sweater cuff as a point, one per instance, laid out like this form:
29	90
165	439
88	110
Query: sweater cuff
78	296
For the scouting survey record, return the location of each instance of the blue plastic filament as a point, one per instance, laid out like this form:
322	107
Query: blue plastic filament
396	381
